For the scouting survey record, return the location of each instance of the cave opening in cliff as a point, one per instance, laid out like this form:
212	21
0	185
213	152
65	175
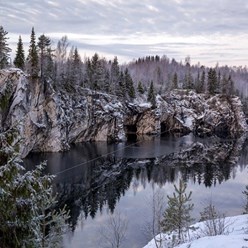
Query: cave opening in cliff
131	132
163	129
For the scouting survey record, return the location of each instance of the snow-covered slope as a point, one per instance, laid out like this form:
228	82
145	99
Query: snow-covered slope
236	236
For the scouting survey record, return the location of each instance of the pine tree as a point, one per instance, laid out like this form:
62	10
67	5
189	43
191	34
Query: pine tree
4	49
19	60
177	214
44	44
151	95
33	63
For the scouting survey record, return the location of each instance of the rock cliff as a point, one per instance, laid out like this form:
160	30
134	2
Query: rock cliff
50	120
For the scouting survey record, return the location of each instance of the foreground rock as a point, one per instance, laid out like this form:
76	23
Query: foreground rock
50	120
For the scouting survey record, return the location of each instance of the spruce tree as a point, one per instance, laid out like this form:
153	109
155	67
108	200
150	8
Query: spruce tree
212	81
19	60
95	63
230	86
151	95
107	82
121	89
129	84
140	88
114	74
198	82
27	207
202	82
33	62
4	49
175	81
177	214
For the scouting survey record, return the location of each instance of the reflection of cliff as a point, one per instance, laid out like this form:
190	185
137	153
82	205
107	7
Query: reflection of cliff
103	181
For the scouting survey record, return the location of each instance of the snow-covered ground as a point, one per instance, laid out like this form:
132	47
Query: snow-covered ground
236	236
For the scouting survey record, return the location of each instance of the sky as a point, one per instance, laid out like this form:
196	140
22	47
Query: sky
209	31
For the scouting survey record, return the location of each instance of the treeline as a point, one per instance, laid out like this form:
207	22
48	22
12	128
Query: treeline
64	67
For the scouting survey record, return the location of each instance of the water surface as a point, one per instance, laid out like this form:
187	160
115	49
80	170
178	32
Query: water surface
97	179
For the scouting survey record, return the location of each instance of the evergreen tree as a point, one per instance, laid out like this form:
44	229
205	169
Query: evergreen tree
218	82
76	65
177	214
140	88
129	84
4	49
107	82
19	60
198	83
114	74
33	63
230	86
27	207
202	82
151	95
44	44
121	89
224	85
212	81
175	81
95	63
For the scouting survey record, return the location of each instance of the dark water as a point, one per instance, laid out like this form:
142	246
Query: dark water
96	179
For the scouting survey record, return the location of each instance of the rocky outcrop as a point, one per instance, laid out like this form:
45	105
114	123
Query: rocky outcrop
185	111
50	120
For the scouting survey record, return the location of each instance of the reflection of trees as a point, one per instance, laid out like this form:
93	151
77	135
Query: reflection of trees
102	182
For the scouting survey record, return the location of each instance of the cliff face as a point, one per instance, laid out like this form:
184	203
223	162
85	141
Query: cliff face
51	121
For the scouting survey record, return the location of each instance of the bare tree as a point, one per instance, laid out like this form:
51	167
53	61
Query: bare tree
152	227
245	193
113	233
214	222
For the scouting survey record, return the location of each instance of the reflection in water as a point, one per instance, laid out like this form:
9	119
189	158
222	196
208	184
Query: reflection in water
87	187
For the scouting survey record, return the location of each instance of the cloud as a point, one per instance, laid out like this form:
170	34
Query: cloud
126	20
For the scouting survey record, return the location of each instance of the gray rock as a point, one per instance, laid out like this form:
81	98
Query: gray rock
49	120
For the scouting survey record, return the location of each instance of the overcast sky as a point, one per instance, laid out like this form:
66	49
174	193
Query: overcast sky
210	31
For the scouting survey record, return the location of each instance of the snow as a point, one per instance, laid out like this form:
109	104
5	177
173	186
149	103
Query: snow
236	236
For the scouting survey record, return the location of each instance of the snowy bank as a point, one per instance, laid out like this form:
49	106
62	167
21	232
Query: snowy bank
236	236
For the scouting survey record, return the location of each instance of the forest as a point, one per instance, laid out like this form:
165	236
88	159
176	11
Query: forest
62	66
